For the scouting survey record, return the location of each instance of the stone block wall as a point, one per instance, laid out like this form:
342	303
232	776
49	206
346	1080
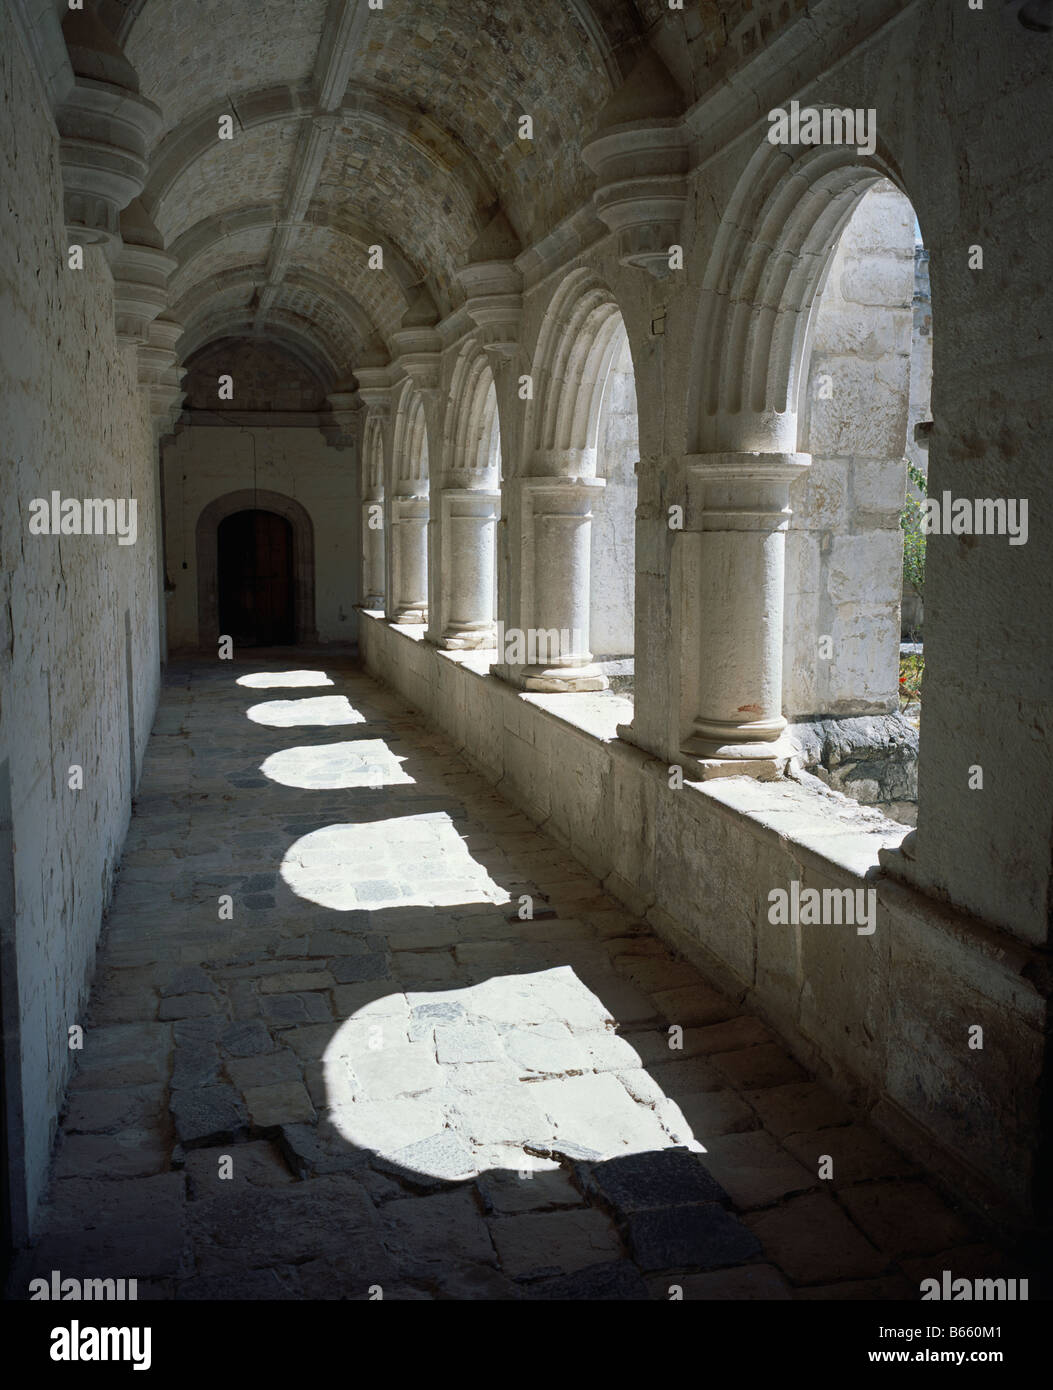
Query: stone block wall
613	570
205	462
79	660
844	547
265	378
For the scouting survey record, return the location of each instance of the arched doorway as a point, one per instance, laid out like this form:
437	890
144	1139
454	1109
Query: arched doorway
255	579
301	551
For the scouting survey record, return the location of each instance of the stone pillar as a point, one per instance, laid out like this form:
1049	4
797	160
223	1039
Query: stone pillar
374	390
160	377
469	517
409	570
554	523
418	355
344	429
732	619
549	517
373	553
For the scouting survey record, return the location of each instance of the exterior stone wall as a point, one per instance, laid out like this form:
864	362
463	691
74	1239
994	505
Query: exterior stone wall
844	550
79	645
613	570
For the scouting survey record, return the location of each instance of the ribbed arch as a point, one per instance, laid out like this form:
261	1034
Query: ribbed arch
769	258
373	460
411	441
237	323
474	432
583	330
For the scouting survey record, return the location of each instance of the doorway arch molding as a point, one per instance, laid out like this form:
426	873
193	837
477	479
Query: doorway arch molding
207	547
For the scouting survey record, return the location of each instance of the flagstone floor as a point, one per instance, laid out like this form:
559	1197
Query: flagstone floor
357	1024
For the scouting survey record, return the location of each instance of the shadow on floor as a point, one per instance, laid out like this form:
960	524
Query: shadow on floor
358	1025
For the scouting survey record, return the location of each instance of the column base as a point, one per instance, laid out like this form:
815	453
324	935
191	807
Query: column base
460	640
764	760
552	680
409	617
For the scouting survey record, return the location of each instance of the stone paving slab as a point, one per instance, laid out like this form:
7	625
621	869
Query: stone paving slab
368	1069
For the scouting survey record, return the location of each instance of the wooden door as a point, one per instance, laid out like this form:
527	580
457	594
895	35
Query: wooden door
255	577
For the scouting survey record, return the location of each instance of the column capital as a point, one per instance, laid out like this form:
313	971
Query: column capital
141	268
418	355
741	492
375	390
160	373
494	303
561	489
417	342
746	465
640	153
106	130
477	502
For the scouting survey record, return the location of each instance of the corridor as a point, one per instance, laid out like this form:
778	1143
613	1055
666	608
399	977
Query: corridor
359	1029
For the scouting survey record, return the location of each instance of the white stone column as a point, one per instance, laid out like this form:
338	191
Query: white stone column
160	379
418	356
737	516
373	553
494	302
374	389
469	525
555	519
409	544
372	506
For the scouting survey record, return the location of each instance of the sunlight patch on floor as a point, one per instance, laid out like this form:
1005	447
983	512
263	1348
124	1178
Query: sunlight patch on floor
400	861
270	680
318	709
506	1074
366	762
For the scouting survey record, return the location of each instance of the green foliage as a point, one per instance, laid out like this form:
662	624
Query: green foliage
913	536
911	670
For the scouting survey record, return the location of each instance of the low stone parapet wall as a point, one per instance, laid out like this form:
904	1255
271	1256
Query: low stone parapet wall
887	1015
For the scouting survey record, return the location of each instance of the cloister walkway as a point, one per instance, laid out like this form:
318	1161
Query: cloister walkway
328	1049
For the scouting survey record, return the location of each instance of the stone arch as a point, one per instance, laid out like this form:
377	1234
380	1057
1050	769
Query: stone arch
469	504
764	300
373	495
244	357
206	544
863	372
411	443
576	345
769	258
474	433
373	458
198	299
409	511
584	426
239	322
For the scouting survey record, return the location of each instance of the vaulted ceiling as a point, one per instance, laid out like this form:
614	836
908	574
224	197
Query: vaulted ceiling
355	127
